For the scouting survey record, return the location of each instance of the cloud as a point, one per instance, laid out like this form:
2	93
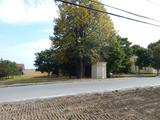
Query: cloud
24	53
27	11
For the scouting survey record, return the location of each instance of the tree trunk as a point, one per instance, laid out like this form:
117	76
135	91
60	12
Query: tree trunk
81	68
77	69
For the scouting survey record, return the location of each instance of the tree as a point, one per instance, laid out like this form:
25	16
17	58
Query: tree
113	54
4	69
156	57
13	70
125	46
154	49
152	45
45	62
135	48
144	58
7	68
76	29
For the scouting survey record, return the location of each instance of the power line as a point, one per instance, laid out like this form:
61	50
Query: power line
113	14
138	15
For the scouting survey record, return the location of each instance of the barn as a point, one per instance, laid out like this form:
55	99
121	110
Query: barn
21	68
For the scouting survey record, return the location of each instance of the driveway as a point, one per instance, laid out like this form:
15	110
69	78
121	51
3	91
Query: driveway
21	93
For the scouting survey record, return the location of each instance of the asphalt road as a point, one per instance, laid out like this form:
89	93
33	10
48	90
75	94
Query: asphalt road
21	93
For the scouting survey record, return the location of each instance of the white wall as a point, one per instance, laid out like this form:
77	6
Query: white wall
99	70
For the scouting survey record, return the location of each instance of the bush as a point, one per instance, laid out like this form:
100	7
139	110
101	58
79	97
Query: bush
7	68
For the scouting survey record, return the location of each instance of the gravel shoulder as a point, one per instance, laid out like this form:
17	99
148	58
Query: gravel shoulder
137	104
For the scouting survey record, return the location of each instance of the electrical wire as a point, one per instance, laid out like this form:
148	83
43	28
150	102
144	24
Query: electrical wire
138	15
104	12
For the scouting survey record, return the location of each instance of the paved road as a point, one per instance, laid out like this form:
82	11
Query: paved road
20	93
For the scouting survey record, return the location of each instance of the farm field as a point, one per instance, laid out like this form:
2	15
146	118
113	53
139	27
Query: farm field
137	104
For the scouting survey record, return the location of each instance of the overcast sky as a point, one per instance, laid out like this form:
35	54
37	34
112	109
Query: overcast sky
25	26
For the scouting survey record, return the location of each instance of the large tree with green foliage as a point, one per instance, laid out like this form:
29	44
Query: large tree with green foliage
46	62
81	34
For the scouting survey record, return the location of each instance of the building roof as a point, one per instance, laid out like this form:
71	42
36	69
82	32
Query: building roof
20	66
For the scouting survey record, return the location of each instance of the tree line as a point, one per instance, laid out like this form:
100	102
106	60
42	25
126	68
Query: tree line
148	57
83	37
7	69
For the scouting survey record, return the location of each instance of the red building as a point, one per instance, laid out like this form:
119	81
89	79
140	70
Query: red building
21	68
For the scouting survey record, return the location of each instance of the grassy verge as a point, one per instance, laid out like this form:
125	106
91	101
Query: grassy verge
147	75
22	80
134	75
30	76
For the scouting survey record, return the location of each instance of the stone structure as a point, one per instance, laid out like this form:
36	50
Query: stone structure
99	70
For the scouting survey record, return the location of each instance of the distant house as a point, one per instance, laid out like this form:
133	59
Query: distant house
21	68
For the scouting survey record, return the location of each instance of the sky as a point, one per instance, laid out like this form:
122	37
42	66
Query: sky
25	26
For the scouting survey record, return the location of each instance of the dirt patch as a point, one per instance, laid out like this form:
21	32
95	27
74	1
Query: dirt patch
139	104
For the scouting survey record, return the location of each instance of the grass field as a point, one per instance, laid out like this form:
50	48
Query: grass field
32	76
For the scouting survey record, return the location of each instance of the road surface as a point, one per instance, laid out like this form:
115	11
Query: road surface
21	93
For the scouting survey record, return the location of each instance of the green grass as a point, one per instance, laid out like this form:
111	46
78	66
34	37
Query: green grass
147	75
134	75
